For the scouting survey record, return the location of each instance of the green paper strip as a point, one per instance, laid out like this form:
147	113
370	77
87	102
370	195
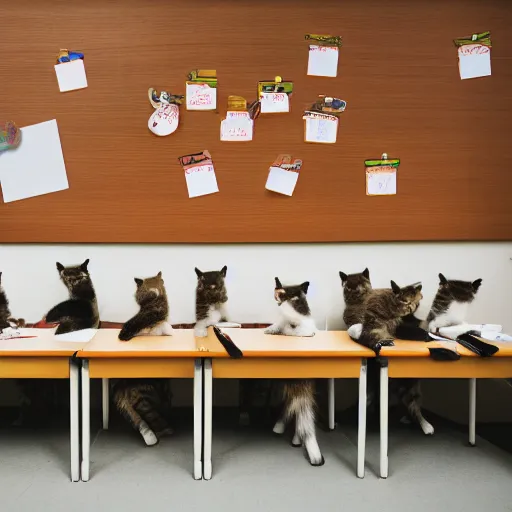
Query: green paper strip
324	39
395	162
482	38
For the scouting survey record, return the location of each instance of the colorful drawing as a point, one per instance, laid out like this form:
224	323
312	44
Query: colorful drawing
165	118
10	136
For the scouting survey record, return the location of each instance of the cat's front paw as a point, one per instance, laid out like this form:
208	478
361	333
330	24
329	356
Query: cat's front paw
382	343
200	332
273	329
125	335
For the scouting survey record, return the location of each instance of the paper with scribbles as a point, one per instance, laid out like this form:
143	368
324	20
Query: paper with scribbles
323	60
474	61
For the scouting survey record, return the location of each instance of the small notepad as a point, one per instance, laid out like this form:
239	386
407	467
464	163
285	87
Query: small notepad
201	180
71	75
201	97
237	126
381	183
274	102
474	61
321	128
281	181
323	60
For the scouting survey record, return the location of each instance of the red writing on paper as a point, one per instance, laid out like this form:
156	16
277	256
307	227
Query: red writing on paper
199	168
323	49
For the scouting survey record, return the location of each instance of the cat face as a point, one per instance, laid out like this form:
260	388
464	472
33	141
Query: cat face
292	293
149	288
407	298
355	286
211	282
460	291
75	275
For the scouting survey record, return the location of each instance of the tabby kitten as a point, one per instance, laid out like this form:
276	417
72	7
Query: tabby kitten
356	289
153	315
211	299
80	311
296	317
145	404
5	314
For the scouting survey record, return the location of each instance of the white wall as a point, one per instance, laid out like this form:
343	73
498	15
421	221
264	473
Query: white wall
33	287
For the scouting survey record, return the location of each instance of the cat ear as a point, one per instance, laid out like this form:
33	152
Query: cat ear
198	272
304	286
476	284
159	275
83	266
343	277
395	287
278	283
418	287
138	281
366	273
442	279
223	271
60	267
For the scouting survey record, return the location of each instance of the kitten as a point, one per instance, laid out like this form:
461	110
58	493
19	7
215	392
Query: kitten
296	317
356	289
5	314
80	311
144	403
153	315
211	299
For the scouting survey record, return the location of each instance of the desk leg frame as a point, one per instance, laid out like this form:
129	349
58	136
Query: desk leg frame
86	420
208	406
384	381
332	404
472	412
74	429
105	402
198	419
361	428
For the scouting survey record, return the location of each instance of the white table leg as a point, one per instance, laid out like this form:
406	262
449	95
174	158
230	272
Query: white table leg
86	420
198	418
208	410
332	406
472	412
384	419
361	426
73	421
105	402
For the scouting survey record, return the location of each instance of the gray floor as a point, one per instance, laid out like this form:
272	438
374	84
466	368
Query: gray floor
254	471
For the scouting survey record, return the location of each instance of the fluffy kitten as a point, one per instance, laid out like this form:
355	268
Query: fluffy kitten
5	315
296	317
153	315
356	289
211	299
145	403
80	311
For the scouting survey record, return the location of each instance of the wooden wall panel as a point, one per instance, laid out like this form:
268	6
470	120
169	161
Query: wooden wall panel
397	72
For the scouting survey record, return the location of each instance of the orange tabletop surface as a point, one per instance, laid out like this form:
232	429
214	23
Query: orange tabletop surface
181	344
255	343
43	345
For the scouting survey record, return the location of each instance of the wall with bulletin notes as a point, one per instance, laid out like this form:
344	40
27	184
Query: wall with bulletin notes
397	72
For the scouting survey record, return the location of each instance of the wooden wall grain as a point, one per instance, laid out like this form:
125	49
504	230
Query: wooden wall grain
397	72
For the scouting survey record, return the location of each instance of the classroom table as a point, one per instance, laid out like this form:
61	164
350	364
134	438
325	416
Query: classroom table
411	359
44	357
176	356
329	354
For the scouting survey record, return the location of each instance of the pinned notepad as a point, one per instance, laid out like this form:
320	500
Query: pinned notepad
321	121
381	176
323	55
474	55
283	175
239	122
274	95
202	90
199	174
70	71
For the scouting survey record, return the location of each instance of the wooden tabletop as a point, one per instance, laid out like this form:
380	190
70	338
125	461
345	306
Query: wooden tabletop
43	345
255	343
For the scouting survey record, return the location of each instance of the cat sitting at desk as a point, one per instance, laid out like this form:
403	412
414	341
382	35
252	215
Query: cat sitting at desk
5	314
80	311
152	318
211	300
356	289
298	395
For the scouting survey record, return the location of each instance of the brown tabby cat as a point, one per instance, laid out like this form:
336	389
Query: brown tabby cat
145	403
356	289
211	299
80	311
153	315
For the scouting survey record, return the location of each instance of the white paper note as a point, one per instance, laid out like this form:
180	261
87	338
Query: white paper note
323	60
272	102
474	61
36	166
282	181
201	180
201	97
71	75
381	183
321	129
84	335
237	126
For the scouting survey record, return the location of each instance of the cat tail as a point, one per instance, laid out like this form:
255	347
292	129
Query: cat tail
142	320
228	344
72	308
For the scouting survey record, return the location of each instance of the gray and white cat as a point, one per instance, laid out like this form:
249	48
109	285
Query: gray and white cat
211	300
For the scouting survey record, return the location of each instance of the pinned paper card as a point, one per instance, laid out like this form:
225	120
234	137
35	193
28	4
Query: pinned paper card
474	55
36	166
283	175
199	174
202	90
71	75
381	176
166	117
323	56
321	128
237	126
274	95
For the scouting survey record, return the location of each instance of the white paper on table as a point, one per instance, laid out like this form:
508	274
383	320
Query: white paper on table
474	61
201	97
273	102
83	335
228	325
323	60
322	129
36	166
281	180
201	180
237	126
71	75
380	183
496	336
